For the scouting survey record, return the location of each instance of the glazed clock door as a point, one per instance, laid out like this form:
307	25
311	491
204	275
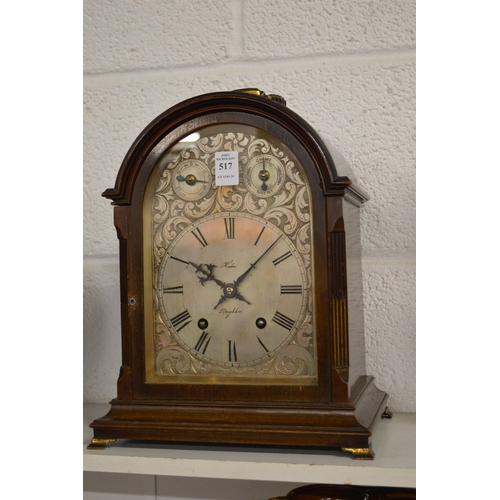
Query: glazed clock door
229	267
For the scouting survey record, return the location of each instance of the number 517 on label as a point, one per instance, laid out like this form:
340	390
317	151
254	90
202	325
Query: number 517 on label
227	169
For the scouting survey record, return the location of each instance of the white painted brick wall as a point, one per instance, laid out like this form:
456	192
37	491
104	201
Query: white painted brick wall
348	67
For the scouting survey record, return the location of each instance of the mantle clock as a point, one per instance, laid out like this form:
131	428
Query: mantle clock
240	278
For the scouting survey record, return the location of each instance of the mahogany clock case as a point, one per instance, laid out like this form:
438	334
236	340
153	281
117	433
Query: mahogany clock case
342	405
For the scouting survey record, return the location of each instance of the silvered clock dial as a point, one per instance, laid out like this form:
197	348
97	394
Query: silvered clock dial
242	296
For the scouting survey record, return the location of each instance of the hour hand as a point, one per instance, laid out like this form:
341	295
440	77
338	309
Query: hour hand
207	273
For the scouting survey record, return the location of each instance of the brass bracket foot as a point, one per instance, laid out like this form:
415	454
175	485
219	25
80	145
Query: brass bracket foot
361	453
100	443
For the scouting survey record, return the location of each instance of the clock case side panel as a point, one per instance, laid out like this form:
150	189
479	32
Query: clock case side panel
349	359
339	419
347	289
357	358
344	226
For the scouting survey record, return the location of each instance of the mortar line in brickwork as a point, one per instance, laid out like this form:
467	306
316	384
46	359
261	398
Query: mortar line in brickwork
239	16
390	259
238	65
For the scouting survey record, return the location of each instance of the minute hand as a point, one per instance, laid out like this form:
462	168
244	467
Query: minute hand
252	266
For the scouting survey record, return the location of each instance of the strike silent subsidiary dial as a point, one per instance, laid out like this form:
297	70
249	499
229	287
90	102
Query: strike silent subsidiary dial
264	176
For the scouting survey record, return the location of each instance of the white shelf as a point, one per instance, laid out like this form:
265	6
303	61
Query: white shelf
393	442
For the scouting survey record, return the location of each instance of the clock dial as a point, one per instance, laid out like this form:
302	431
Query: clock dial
191	180
231	266
264	176
239	292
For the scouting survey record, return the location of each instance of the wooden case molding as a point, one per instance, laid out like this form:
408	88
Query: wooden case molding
342	410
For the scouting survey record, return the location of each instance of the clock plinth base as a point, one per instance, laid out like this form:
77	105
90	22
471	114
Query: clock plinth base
334	426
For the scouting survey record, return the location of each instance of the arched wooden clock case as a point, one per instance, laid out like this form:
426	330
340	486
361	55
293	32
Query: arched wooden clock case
241	304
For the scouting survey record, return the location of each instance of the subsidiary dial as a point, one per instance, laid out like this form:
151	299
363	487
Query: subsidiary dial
264	176
191	180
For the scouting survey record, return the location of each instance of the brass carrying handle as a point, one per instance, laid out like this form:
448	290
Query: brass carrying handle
260	93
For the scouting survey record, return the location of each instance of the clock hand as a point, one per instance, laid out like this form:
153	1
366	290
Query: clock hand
190	179
263	175
207	272
229	291
221	300
252	266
